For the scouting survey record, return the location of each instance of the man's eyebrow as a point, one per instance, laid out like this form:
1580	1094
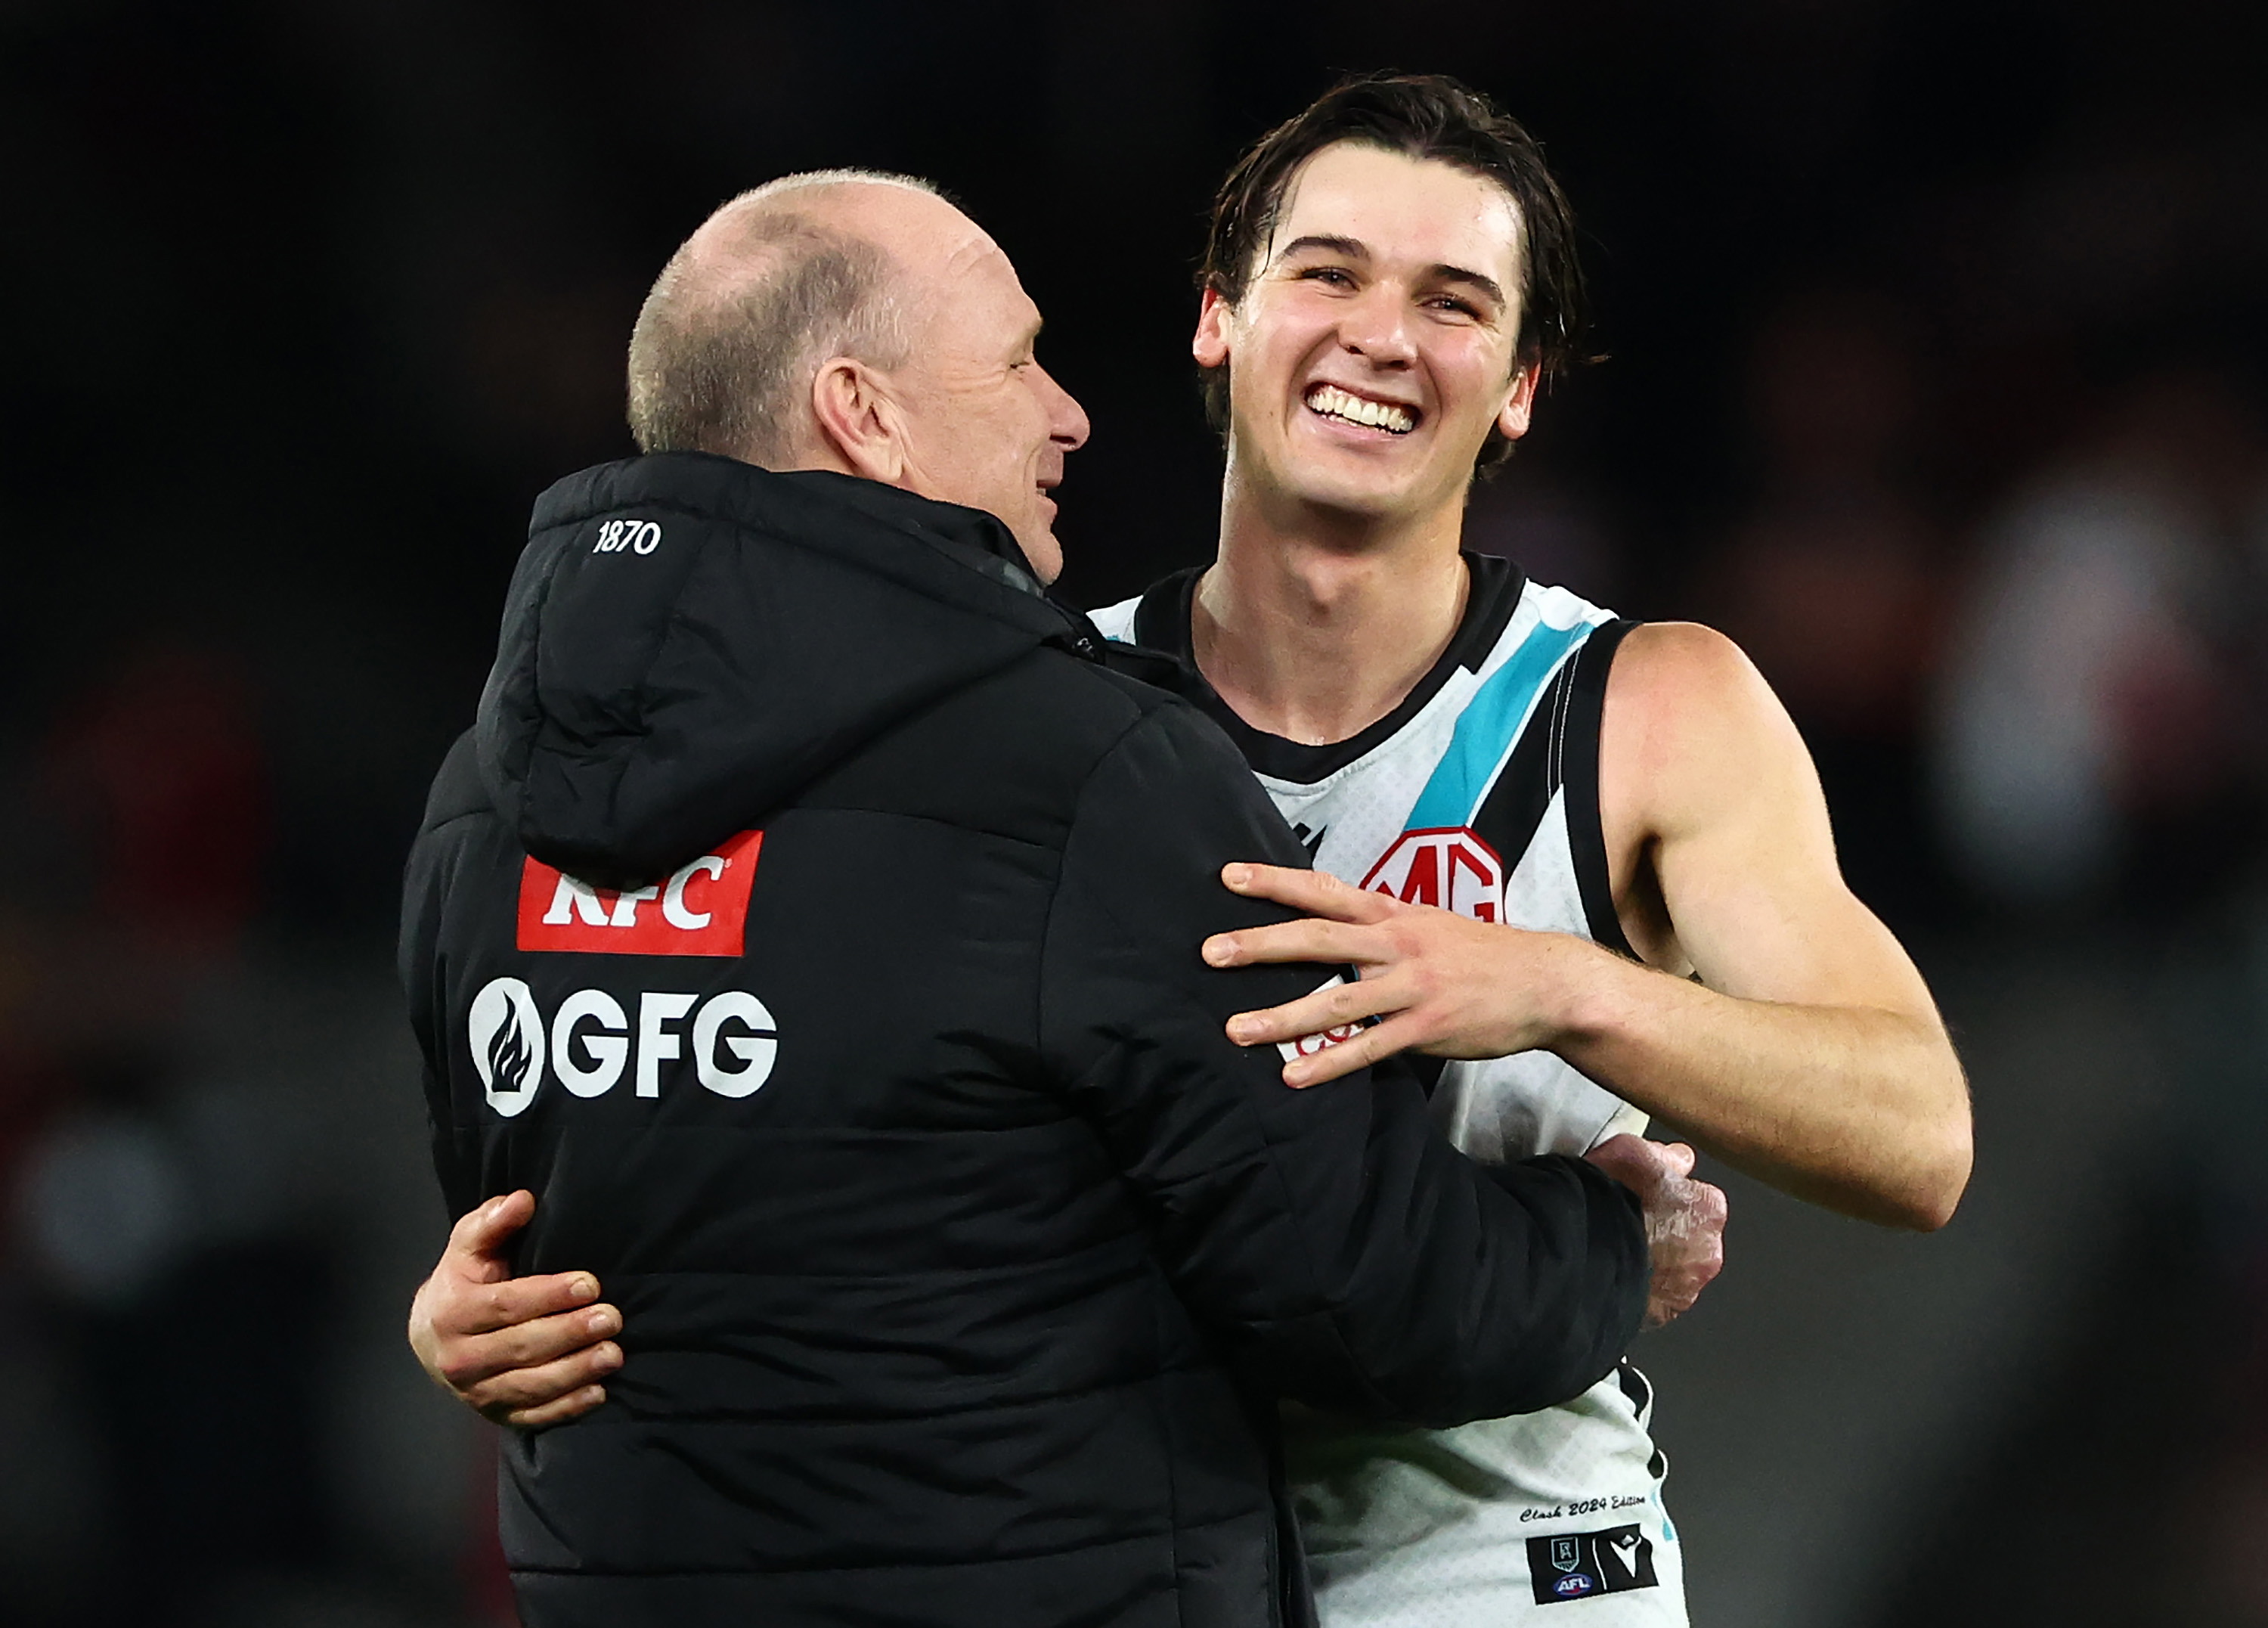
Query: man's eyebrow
1481	281
1354	248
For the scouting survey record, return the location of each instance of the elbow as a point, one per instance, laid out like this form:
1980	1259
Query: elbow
1939	1179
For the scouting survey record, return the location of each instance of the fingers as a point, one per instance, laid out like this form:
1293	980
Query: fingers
474	1359
483	1308
1630	1159
1314	893
484	1230
1371	1045
1326	1009
574	1404
1291	940
1676	1158
517	1395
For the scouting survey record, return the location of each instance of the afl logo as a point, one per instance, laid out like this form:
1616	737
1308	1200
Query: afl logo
506	1032
1447	866
1570	1587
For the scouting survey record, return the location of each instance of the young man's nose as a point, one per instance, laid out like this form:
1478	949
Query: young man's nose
1376	326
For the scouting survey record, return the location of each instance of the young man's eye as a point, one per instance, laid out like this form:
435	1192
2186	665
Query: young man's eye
1332	274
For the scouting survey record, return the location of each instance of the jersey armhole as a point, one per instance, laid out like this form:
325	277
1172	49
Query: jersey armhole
1587	839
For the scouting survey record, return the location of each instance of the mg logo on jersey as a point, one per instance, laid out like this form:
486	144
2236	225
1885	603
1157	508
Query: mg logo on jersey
702	909
1445	865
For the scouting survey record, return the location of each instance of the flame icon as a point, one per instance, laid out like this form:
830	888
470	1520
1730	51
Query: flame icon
508	1055
505	1033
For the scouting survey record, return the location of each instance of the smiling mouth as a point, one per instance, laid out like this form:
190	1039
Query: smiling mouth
1330	401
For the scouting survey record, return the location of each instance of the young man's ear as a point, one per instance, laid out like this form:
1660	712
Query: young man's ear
1215	316
859	421
1519	407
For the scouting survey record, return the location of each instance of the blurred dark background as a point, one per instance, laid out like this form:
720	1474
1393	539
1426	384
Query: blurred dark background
1938	335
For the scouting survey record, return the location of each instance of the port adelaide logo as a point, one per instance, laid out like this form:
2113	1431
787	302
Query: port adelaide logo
1574	1565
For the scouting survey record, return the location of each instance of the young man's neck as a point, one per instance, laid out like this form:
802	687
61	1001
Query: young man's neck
1315	624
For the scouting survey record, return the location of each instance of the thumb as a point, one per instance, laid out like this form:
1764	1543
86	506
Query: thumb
484	1231
1676	1158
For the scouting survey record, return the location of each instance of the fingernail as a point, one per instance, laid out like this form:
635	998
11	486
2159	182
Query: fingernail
1216	951
582	1288
603	1321
1295	1075
1236	875
607	1358
1240	1030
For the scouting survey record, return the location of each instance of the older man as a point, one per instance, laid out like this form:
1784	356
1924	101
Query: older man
810	922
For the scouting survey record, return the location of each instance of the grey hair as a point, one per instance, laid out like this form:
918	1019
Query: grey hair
717	363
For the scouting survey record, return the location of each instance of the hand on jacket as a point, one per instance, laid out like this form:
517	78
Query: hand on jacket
522	1351
1684	1219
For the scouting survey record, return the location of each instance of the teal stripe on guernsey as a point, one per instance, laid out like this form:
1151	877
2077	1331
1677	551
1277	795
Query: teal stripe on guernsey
1485	731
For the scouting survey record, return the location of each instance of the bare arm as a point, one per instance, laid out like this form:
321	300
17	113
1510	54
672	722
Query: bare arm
1809	1053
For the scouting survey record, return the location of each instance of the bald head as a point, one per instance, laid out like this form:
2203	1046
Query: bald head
777	281
859	323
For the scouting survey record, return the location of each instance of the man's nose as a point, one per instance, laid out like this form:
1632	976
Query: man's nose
1375	325
1066	418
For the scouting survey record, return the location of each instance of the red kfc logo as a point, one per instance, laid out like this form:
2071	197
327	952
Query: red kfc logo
702	909
1445	865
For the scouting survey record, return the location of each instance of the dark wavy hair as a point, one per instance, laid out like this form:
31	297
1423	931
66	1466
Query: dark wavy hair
1424	116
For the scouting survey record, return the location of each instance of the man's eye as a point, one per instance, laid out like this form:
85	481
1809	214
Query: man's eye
1331	275
1450	302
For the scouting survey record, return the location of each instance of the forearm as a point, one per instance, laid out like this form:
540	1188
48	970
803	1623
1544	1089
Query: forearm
1861	1109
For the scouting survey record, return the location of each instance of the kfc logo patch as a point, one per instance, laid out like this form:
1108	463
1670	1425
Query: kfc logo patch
1449	866
702	909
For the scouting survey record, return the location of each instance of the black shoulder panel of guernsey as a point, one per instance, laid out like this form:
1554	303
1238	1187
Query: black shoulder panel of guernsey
1559	750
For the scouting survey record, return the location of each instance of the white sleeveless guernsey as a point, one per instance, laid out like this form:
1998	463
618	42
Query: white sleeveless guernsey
1479	793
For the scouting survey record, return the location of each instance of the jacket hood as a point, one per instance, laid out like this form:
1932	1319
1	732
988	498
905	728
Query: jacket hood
689	641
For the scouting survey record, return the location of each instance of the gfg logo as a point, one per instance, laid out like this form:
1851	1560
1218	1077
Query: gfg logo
591	1042
1449	866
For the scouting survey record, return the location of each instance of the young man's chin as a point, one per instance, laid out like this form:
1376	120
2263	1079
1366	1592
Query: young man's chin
1373	500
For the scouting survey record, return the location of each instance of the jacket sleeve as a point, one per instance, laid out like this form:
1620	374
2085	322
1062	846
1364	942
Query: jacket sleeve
1341	1250
419	961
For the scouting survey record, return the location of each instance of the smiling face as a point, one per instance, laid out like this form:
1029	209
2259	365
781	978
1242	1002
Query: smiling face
1375	345
985	426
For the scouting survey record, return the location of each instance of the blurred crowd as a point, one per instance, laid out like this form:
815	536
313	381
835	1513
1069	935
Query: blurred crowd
1942	384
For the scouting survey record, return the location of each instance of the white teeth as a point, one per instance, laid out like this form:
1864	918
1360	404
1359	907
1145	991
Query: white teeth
1334	403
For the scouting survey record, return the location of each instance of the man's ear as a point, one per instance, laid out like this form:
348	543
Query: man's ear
859	421
1519	407
1215	318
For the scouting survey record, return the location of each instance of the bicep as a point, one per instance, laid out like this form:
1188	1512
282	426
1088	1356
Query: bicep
1741	844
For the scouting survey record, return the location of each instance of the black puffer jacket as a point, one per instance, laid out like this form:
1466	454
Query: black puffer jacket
879	1079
